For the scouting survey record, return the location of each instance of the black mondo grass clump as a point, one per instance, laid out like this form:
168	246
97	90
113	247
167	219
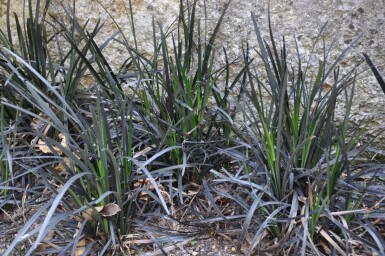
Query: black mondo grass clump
105	159
124	161
303	155
176	86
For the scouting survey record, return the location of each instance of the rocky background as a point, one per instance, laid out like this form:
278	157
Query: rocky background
297	19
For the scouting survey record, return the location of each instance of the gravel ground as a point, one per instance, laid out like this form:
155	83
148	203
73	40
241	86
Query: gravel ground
210	246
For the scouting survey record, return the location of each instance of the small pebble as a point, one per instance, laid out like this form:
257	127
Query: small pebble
194	253
233	249
213	247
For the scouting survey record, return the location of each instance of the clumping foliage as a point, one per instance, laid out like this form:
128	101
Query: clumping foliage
172	145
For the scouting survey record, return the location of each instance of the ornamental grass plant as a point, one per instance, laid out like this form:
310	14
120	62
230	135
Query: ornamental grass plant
300	150
130	160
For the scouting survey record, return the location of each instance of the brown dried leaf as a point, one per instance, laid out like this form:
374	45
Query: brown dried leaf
144	151
88	214
102	236
331	241
327	87
63	141
105	211
81	246
98	208
43	147
37	124
302	199
109	210
46	242
60	167
143	195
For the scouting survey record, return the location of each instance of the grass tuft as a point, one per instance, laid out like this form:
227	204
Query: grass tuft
166	149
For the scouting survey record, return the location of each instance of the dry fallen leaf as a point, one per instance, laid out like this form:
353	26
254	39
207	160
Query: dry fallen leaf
63	141
144	151
332	242
327	87
144	196
60	167
43	147
46	242
109	210
106	211
37	124
88	214
81	246
302	199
